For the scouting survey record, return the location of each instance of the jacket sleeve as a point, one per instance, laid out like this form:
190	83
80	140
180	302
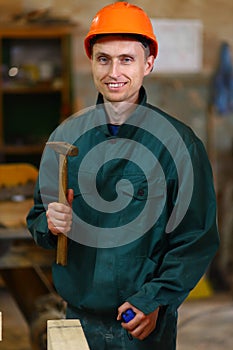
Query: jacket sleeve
37	222
191	245
46	191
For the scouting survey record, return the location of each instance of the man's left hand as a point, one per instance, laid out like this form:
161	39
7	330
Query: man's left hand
141	325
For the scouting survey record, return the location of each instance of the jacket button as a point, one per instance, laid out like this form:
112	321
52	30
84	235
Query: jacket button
140	192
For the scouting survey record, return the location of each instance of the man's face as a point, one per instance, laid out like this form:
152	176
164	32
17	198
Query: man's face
119	66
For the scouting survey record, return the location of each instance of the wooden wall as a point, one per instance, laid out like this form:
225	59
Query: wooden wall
216	15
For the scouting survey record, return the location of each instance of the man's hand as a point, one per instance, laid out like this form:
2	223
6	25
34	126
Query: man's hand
141	325
59	216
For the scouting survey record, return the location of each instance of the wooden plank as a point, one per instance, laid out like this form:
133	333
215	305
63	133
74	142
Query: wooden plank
24	254
66	334
14	233
13	214
20	31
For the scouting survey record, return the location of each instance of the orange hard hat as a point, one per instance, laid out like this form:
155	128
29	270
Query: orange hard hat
121	18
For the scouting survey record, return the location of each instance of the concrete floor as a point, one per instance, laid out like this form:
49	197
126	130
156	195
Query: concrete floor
206	324
203	324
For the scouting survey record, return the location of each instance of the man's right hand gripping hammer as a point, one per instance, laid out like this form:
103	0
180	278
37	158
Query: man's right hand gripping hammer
59	214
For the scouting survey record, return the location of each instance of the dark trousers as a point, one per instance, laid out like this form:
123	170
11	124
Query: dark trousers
104	332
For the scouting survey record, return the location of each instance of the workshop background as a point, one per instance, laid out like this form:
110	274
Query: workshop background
44	78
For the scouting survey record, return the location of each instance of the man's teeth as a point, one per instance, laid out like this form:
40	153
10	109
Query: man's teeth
115	85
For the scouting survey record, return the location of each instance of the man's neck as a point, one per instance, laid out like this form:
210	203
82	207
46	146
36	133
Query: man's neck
118	112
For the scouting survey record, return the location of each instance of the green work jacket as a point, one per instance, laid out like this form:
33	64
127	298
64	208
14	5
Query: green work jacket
159	234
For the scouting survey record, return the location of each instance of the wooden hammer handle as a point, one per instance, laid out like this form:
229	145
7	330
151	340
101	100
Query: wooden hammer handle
62	239
62	250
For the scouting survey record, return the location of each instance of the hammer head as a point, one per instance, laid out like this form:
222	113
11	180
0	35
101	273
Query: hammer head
63	148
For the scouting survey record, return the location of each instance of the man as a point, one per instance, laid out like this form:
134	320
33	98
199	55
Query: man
152	232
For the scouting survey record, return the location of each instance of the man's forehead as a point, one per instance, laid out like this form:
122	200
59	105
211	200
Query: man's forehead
116	37
116	42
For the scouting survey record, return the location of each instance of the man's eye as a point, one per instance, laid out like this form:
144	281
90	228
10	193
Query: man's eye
102	60
126	60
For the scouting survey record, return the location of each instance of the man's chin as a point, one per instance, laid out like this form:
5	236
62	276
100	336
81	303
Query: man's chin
114	97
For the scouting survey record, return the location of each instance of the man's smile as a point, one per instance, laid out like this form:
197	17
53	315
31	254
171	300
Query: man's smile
115	85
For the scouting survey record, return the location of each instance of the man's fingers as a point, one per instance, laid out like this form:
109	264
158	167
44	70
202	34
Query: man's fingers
59	218
70	196
58	207
141	331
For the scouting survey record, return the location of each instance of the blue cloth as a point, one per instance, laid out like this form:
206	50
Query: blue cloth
223	82
113	129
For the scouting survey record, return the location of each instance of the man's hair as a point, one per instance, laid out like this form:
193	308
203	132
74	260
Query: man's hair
140	38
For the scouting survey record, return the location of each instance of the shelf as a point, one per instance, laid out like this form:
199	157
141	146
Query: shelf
35	88
30	89
36	31
22	149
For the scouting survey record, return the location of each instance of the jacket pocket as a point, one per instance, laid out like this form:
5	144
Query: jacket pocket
145	205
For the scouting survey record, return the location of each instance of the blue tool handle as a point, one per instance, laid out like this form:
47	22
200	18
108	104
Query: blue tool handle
128	315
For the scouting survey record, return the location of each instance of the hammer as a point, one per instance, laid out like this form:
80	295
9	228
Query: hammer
64	149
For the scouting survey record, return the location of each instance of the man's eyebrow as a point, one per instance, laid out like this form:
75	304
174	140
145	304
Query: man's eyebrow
127	54
100	53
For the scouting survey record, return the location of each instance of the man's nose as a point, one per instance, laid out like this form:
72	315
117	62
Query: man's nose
114	69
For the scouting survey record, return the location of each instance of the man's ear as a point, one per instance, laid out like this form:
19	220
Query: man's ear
149	64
